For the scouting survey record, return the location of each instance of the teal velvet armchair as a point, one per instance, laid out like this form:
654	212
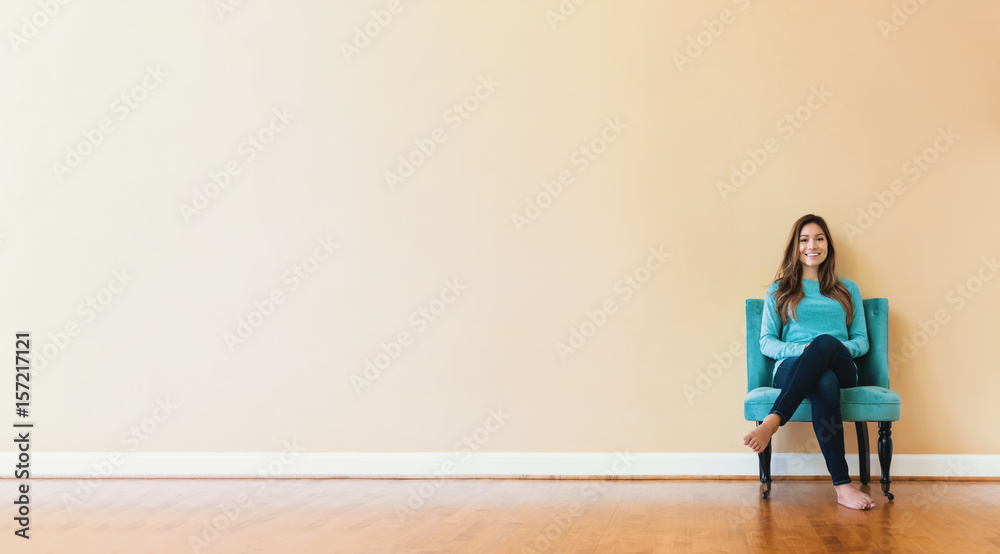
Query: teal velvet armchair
871	400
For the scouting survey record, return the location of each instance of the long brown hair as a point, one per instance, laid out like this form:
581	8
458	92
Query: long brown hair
789	276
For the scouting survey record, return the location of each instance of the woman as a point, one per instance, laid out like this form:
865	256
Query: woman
813	327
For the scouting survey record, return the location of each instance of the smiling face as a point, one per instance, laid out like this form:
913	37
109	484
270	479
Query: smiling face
812	249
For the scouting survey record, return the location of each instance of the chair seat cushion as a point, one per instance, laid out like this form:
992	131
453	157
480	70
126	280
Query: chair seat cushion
856	404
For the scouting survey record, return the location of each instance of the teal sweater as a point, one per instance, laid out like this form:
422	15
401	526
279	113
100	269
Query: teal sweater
817	315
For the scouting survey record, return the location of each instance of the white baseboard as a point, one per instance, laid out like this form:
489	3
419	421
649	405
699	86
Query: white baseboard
290	463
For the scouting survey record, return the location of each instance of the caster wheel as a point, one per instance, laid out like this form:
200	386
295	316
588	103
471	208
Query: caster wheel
765	494
891	497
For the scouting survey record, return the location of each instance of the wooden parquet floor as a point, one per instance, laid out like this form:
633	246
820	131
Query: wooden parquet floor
496	515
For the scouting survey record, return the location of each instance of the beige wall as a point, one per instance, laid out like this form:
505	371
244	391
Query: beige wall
494	347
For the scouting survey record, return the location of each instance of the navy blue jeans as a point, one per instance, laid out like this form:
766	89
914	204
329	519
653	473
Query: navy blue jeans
818	374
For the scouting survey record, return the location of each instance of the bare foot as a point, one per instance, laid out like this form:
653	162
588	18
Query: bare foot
854	499
759	438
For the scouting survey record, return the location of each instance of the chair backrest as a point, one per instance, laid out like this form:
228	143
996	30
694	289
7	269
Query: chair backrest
873	367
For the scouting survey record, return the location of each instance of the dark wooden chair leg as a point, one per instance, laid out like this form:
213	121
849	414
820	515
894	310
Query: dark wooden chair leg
863	457
764	460
885	454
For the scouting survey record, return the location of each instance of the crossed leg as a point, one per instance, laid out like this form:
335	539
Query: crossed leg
819	373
